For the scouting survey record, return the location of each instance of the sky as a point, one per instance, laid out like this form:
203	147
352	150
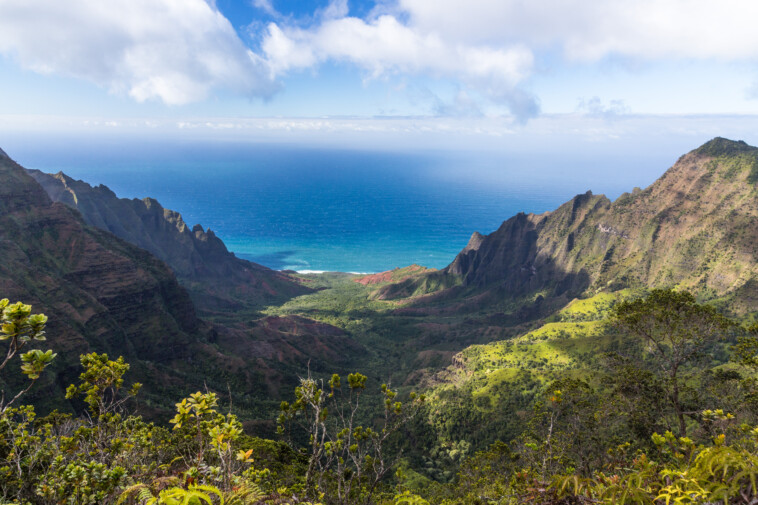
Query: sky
484	74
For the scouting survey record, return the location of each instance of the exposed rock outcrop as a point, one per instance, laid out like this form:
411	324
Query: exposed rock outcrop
218	281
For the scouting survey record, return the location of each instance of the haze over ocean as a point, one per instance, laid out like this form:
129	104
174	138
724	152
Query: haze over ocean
302	208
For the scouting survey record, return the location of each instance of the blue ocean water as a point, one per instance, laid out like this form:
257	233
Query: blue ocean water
299	208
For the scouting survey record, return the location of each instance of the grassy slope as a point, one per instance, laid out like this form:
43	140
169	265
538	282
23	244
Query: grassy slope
402	348
498	379
489	382
491	379
401	344
341	301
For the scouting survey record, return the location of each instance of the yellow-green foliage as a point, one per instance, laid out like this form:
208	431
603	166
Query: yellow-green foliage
571	343
338	300
407	498
713	473
507	374
554	346
593	308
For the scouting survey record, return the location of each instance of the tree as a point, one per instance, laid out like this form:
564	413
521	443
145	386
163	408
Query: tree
676	330
746	350
340	447
563	431
637	396
746	355
101	384
211	437
19	327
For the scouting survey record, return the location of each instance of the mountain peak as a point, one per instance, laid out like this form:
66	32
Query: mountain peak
474	242
63	177
720	146
3	155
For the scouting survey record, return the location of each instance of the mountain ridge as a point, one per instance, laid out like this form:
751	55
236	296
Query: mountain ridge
690	228
218	281
104	294
100	292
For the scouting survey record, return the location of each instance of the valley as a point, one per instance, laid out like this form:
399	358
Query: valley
690	229
378	252
529	307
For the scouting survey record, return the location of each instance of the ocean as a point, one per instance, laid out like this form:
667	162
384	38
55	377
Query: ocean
311	209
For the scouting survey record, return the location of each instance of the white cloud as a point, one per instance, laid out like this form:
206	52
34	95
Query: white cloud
595	107
588	30
492	47
751	93
266	6
592	135
180	51
335	9
173	50
383	45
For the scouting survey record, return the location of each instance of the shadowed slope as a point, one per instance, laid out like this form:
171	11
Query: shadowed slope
694	227
104	294
101	293
218	281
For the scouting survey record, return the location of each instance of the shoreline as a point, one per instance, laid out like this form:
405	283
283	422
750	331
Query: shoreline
307	272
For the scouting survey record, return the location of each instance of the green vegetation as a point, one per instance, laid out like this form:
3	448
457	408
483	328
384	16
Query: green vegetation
677	330
393	343
347	461
720	146
552	369
532	419
19	327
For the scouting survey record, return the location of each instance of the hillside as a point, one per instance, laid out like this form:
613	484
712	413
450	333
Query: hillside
104	294
526	374
694	228
100	292
220	283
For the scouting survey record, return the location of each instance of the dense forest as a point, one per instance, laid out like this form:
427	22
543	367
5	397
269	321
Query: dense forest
662	424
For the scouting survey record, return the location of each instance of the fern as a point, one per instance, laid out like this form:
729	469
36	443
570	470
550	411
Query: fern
192	496
728	472
246	494
145	494
195	495
409	499
140	491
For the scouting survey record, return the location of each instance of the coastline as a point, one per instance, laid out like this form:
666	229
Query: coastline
307	272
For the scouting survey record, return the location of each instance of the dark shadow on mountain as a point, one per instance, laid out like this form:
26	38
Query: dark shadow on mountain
220	284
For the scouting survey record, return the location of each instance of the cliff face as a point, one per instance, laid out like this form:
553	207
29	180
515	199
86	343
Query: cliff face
104	294
100	293
695	227
218	281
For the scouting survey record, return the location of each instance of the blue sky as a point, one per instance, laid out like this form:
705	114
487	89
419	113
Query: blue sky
497	73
